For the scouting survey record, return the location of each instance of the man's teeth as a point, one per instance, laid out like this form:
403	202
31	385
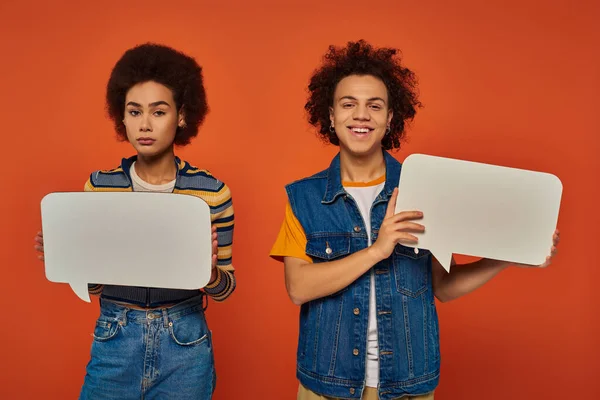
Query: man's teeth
360	130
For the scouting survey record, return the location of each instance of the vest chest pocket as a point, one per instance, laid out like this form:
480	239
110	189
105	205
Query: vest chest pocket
411	270
328	247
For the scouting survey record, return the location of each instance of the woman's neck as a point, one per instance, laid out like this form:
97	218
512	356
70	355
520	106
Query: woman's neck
158	169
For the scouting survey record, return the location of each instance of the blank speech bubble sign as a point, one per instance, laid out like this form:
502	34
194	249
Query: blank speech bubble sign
479	209
131	239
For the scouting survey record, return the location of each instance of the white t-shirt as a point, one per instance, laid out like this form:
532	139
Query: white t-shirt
139	185
364	197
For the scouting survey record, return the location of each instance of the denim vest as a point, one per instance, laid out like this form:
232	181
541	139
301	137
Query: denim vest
332	342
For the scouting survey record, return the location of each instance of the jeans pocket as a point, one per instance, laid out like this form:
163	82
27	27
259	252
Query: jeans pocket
190	330
106	329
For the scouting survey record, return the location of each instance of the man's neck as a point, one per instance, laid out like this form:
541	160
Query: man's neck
361	168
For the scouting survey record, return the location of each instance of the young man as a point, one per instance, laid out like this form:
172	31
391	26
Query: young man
154	343
368	321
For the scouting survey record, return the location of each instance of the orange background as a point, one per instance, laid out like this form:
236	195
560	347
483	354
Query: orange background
512	83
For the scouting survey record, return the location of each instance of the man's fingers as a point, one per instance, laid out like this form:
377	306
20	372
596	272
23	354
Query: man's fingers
409	226
407	238
391	208
406	216
403	226
39	238
548	261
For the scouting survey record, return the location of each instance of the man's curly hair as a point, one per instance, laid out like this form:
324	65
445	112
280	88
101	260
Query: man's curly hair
360	58
164	65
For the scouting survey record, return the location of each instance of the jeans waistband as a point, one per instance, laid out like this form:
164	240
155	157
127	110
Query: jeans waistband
165	315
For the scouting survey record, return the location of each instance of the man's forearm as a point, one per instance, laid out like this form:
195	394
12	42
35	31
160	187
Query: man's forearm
464	279
306	281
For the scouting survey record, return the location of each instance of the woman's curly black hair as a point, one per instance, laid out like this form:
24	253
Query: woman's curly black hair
360	58
164	65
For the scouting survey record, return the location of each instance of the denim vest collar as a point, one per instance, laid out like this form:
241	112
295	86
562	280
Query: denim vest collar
334	179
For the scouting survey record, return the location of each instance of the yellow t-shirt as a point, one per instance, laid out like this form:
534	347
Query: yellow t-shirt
291	241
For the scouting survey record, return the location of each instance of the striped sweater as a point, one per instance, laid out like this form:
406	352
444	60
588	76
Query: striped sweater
191	181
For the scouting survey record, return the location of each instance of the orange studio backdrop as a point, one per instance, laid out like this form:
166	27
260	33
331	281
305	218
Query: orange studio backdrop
511	83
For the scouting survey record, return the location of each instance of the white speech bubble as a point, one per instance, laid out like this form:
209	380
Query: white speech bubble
131	239
479	209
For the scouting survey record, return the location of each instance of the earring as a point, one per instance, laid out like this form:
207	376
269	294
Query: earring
388	130
183	125
331	128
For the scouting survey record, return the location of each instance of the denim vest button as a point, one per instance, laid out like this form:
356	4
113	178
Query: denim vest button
355	352
356	311
357	229
352	390
328	250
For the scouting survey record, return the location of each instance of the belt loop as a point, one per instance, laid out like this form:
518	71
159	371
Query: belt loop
123	319
165	318
204	297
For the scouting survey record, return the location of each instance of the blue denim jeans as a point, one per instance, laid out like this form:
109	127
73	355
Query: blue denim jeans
155	354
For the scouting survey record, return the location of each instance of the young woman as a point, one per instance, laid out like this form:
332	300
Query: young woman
154	343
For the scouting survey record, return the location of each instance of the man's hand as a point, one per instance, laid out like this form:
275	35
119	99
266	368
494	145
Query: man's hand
553	251
396	229
39	239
